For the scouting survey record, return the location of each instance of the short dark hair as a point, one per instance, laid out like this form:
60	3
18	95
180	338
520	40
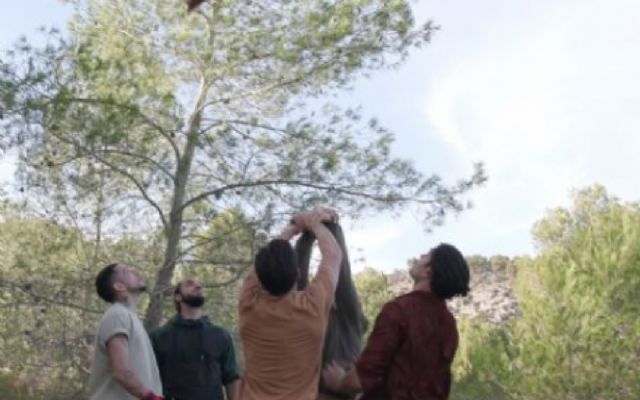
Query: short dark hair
450	272
277	267
104	283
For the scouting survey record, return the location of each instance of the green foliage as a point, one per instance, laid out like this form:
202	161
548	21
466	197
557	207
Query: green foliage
48	304
578	336
43	311
12	388
482	367
168	140
373	290
578	333
169	119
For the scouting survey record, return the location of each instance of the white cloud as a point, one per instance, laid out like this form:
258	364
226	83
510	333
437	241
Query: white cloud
375	236
441	107
543	111
371	243
546	96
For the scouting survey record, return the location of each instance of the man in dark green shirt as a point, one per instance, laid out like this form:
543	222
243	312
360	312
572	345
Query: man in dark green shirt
195	357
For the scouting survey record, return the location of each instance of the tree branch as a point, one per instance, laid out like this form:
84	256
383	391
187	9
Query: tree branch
138	185
38	297
142	157
294	182
143	116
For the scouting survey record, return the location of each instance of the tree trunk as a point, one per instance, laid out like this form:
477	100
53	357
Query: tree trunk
173	232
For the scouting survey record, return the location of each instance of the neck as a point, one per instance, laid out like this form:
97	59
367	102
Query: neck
422	286
187	312
129	301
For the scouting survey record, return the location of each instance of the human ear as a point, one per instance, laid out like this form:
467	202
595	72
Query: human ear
119	287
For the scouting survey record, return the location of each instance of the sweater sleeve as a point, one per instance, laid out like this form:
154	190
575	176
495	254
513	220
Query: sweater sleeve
374	362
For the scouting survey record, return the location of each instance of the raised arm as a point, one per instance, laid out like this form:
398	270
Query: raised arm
330	253
323	286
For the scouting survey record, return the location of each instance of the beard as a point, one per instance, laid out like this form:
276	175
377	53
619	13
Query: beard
194	300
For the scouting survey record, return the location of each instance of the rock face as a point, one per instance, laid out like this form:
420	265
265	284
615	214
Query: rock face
491	298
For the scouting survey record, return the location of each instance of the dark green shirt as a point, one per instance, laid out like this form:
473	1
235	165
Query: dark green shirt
195	358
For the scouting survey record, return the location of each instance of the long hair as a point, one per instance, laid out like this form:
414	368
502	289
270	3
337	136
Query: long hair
450	272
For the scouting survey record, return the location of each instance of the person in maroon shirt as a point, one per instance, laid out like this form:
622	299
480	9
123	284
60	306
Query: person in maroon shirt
414	339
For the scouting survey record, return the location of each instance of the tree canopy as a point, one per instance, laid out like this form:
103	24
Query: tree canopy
153	121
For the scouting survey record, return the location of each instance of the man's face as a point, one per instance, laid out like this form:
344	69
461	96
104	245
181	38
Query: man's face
129	280
191	293
421	268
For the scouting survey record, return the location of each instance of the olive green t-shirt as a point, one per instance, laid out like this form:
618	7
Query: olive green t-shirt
120	320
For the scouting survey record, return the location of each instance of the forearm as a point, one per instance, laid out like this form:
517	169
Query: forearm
327	243
130	382
118	352
372	367
232	389
288	232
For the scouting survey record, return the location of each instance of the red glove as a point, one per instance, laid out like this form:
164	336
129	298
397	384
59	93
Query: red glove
151	396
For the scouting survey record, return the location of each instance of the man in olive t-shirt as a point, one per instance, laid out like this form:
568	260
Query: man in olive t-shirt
124	366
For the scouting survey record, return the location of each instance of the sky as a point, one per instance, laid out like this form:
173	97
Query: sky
546	94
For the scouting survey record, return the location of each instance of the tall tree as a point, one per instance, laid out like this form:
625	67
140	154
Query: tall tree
579	332
483	364
186	116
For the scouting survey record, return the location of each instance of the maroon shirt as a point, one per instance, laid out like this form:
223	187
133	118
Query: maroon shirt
410	350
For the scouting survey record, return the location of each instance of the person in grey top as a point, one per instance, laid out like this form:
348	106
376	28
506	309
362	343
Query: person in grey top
124	366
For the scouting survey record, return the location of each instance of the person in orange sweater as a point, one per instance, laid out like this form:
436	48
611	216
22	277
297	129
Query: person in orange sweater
282	329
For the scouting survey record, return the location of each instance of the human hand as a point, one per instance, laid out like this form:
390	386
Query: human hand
299	220
306	220
333	376
151	396
326	214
